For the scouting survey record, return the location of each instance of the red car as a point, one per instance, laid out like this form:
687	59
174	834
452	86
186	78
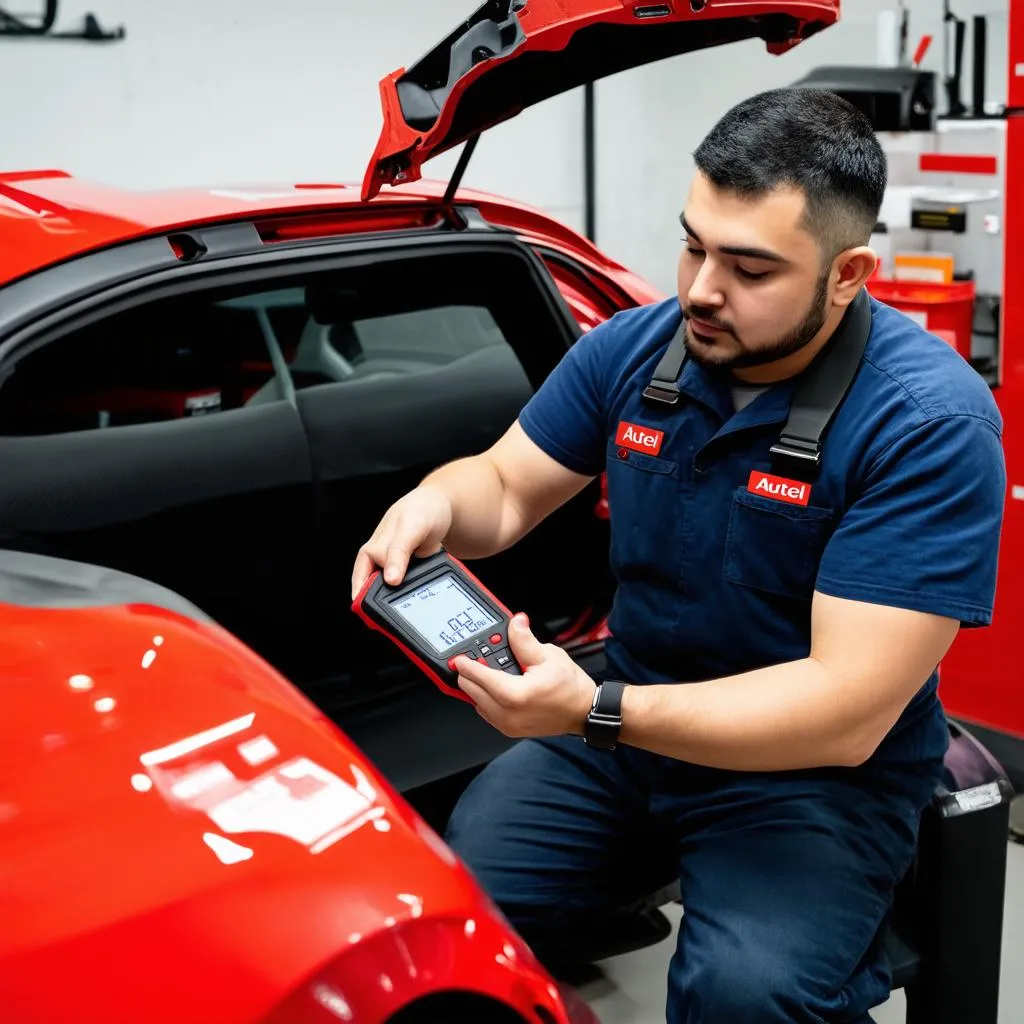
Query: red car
207	400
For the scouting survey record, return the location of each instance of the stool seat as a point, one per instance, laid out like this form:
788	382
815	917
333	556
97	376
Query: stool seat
904	960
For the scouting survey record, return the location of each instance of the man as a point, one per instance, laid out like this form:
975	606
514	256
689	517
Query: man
791	769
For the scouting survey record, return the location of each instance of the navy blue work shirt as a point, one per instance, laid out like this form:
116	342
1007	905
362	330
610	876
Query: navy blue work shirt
714	579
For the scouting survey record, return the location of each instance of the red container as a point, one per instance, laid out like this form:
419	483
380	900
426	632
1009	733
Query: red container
943	309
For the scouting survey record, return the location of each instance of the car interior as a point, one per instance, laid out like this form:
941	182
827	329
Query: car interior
220	440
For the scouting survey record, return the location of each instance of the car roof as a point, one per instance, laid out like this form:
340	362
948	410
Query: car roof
49	216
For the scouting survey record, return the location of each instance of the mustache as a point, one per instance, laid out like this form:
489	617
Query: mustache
708	317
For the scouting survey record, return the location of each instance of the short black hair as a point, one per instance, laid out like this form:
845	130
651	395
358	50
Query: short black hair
809	139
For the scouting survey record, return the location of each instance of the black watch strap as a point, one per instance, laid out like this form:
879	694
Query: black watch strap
605	719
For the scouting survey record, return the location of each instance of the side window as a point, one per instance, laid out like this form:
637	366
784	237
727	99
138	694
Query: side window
215	351
166	360
405	320
387	346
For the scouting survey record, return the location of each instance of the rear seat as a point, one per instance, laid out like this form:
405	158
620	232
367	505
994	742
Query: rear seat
373	439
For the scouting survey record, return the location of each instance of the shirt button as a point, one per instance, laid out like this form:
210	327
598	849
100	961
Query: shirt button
623	453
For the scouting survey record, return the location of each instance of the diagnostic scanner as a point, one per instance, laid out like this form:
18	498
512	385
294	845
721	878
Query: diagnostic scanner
438	612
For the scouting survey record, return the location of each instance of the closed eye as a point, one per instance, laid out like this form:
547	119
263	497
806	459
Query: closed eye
749	275
746	275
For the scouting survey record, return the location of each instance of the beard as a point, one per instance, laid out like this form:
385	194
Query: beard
799	337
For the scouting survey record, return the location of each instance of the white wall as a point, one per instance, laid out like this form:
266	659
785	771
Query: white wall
216	92
220	92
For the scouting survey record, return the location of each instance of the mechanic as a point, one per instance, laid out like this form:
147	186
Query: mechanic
791	772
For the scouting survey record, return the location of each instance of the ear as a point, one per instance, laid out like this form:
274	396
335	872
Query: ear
852	268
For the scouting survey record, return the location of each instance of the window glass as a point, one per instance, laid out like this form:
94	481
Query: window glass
166	360
389	345
215	351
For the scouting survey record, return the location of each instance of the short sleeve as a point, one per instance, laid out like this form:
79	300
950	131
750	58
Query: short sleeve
924	533
566	417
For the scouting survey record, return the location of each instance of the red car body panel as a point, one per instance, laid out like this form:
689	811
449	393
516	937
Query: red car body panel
47	217
184	837
551	27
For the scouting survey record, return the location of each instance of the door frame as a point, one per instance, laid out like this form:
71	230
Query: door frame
95	286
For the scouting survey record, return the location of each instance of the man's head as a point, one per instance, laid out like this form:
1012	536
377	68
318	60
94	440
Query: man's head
787	192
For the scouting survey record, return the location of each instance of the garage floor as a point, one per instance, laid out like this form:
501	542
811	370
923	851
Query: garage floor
631	989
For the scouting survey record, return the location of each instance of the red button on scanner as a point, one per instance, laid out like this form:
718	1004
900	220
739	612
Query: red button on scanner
495	638
452	660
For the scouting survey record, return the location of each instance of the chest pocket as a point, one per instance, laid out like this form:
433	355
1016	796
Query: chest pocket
775	547
643	495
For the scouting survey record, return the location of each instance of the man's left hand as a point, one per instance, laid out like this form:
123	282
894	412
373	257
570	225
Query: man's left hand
551	698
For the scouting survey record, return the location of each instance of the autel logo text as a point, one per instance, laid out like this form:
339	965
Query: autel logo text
640	439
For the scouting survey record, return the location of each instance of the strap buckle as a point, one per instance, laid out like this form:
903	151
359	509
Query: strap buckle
665	392
803	458
794	448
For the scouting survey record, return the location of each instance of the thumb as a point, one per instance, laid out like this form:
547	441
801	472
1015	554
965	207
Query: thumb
525	646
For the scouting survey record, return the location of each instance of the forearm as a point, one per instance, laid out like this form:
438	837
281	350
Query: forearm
785	717
484	517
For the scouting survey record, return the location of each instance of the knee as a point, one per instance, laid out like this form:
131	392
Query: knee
500	850
473	826
740	987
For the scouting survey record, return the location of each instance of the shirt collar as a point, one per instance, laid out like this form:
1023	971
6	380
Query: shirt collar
713	389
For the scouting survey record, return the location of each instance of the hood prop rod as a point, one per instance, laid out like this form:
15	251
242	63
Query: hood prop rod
448	199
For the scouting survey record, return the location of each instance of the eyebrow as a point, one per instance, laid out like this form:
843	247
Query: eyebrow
736	250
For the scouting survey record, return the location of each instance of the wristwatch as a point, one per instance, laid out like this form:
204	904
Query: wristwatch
601	729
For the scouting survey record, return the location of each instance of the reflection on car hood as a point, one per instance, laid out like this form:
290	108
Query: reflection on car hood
166	796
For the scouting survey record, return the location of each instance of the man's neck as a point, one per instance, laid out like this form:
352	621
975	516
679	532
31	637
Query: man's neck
791	365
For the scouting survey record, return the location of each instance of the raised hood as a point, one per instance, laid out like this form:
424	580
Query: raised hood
511	54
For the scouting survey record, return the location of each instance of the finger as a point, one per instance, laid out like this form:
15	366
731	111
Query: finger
492	681
364	566
371	555
487	707
411	533
527	649
396	561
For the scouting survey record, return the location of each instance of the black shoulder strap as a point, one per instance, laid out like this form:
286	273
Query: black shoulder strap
819	394
664	388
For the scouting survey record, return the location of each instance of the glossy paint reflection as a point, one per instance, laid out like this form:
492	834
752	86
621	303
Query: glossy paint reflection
241	843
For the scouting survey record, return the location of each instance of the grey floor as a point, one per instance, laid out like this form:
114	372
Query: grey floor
631	989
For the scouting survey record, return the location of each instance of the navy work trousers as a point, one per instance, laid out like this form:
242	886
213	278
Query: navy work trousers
786	878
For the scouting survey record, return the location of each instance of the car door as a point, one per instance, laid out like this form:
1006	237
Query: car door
126	442
403	360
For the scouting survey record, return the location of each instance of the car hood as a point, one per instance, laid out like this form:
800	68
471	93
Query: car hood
167	798
511	54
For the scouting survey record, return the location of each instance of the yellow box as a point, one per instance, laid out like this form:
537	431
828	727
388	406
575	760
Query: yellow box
934	267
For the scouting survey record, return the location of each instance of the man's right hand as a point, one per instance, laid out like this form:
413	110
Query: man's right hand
416	524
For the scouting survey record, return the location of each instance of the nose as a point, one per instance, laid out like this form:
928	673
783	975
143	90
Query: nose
705	290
